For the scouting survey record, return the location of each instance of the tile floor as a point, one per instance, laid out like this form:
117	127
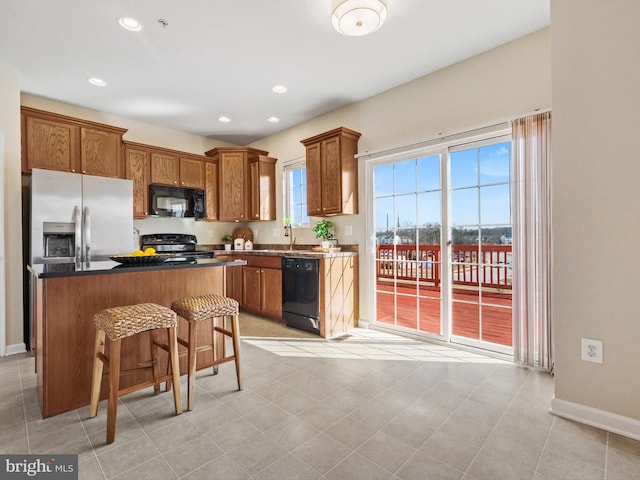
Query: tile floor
369	406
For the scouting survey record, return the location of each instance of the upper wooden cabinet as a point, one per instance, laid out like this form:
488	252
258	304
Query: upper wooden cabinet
239	195
165	168
211	188
332	172
191	173
146	164
57	142
137	168
262	171
176	169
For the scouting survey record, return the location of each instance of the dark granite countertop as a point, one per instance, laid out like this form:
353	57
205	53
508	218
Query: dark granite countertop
53	270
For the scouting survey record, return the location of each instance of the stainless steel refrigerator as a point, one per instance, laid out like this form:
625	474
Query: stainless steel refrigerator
79	218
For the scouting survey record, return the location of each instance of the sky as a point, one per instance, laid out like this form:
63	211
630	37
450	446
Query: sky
409	192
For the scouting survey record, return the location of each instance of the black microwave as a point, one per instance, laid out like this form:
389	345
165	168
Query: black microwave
167	201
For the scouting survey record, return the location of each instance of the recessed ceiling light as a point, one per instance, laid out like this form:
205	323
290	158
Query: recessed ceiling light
224	119
273	119
279	89
98	82
130	24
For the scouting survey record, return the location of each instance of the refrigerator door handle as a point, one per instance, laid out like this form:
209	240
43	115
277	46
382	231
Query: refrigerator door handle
78	234
87	235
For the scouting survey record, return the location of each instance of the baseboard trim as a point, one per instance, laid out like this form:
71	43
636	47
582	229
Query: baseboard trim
611	422
15	349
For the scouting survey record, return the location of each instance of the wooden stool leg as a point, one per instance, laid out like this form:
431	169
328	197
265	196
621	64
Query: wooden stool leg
175	368
235	334
114	387
96	379
192	359
154	359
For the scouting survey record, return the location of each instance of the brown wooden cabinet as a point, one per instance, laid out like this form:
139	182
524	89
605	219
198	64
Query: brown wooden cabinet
191	173
137	168
211	188
263	188
339	295
332	172
147	164
237	189
165	168
262	289
257	286
57	142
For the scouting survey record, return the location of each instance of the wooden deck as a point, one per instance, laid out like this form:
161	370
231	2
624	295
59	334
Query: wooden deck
486	317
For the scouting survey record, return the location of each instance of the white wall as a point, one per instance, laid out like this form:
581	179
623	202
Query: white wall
509	81
596	205
12	200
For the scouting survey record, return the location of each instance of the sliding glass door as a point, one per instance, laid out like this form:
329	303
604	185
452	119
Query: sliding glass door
442	227
408	235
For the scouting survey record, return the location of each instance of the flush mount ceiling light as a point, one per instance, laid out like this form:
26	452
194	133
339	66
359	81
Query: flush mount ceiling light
130	24
358	17
224	119
273	119
98	82
279	89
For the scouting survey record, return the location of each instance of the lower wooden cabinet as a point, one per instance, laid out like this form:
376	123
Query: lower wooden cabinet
262	291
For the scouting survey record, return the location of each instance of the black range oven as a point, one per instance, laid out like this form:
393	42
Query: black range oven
183	247
301	293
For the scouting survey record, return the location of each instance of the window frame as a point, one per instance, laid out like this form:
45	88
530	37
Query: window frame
287	191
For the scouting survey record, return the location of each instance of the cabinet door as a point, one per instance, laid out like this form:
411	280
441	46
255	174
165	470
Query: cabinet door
101	153
191	173
164	169
314	180
137	169
331	173
50	145
234	190
251	293
211	189
263	189
234	283
271	285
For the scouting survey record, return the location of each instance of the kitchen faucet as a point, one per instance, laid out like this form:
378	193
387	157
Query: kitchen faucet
288	232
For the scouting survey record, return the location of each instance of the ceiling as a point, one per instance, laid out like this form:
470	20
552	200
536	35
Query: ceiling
222	57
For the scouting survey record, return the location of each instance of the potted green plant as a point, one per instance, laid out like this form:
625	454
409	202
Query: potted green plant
227	239
324	230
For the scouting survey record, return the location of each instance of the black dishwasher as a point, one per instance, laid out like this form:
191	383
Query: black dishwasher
301	293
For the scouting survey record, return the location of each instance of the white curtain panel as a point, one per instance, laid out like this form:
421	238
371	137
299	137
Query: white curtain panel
533	343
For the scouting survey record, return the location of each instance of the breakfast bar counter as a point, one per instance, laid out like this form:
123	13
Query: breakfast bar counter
66	298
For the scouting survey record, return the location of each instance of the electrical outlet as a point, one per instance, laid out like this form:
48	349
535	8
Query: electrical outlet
210	233
591	350
275	232
348	230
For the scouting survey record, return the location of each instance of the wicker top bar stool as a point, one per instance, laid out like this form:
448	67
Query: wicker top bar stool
120	322
208	307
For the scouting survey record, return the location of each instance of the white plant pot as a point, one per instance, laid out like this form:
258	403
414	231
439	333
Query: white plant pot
227	246
326	244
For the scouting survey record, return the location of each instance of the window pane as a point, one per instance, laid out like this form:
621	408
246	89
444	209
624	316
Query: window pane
464	168
383	179
495	204
383	213
495	163
406	211
429	173
429	209
405	177
464	207
297	194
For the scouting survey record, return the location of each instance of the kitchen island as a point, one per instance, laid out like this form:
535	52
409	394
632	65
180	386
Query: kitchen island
67	296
